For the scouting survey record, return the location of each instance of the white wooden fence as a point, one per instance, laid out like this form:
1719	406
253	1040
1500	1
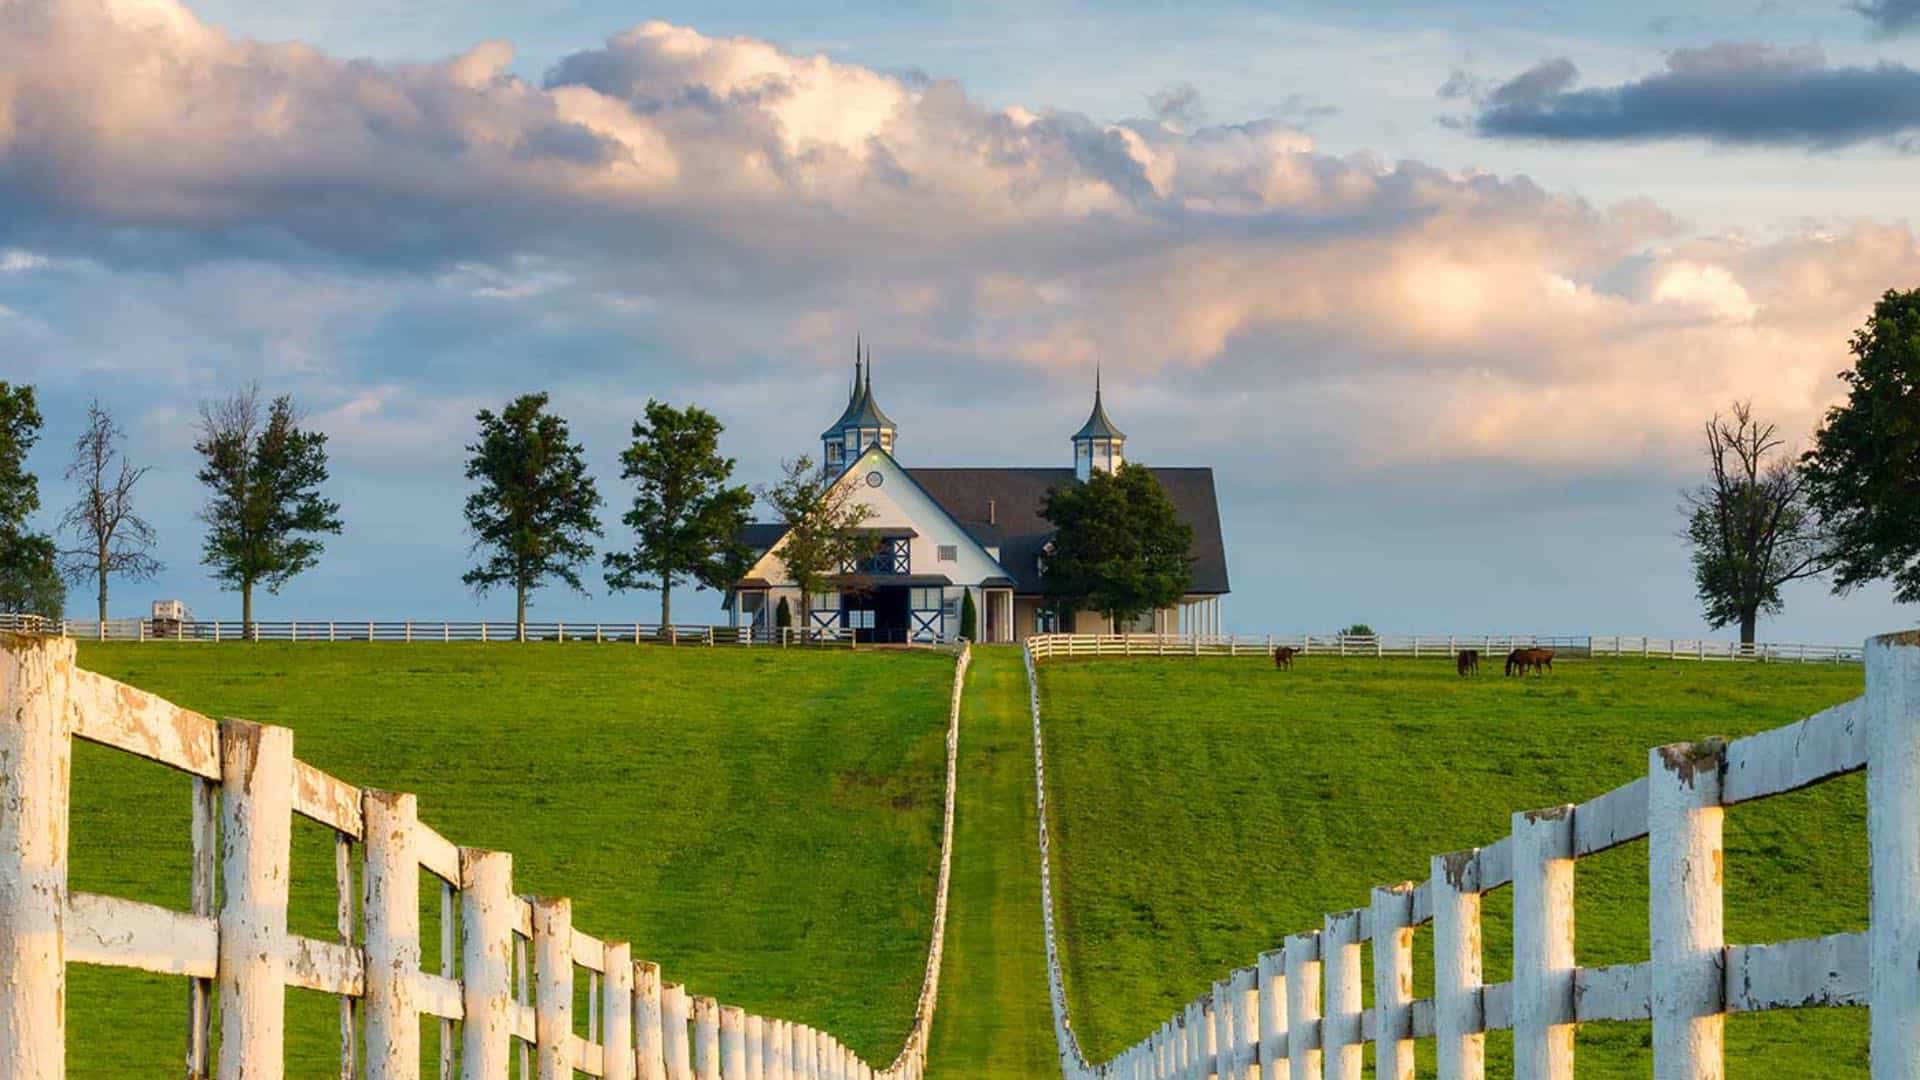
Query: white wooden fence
1416	646
419	630
505	990
1297	1006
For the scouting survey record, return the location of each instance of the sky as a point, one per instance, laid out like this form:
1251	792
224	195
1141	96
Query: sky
1444	292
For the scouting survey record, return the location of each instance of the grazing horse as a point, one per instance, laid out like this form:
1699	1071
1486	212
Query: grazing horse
1283	657
1468	662
1521	661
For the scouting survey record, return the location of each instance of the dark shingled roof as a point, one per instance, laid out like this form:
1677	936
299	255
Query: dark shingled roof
1017	495
761	536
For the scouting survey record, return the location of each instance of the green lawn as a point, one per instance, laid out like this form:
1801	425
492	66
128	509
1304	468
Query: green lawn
994	1020
763	823
1204	809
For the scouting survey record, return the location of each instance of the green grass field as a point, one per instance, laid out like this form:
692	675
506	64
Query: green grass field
1204	809
764	824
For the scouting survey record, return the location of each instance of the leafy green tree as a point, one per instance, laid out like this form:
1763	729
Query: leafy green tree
29	578
822	520
1863	473
265	514
969	618
1118	545
109	537
533	513
1749	525
783	614
687	519
1358	629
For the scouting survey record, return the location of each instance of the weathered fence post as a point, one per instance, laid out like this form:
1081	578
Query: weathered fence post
1686	920
486	963
1273	1012
773	1050
616	1013
35	757
1220	1011
391	907
553	987
1393	981
1542	842
256	840
1340	1041
733	1043
1246	1021
649	1060
706	1039
800	1058
1460	1046
1302	953
1893	838
673	1031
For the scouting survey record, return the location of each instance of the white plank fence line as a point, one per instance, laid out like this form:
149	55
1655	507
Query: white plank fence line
1493	647
420	631
511	995
1303	1007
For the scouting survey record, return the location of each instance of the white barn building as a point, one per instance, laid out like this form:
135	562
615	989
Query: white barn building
944	532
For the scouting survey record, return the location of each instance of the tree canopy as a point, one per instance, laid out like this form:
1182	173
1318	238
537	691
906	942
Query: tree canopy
1749	525
29	576
264	514
686	518
1863	473
822	519
533	514
110	538
1118	547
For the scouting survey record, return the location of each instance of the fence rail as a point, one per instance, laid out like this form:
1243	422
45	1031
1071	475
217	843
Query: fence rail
1298	1006
421	630
505	990
1049	646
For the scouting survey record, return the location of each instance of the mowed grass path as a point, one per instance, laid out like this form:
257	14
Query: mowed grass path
764	823
994	1020
1204	809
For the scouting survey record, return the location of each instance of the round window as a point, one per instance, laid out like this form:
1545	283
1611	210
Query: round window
874	479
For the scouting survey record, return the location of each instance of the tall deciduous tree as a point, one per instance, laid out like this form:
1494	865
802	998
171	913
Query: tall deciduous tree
1863	473
533	514
823	520
265	514
1118	547
29	577
1749	525
686	518
109	537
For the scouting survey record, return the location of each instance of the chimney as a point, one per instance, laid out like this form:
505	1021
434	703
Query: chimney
993	518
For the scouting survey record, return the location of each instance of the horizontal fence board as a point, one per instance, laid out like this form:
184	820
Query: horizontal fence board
327	966
438	996
1619	992
1496	1006
117	715
1831	970
589	952
107	931
1609	820
331	802
1824	745
1496	864
437	854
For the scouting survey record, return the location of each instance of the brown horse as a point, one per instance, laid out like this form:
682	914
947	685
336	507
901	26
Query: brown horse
1283	657
1521	661
1468	662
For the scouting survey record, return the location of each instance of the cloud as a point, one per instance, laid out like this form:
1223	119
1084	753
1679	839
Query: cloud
671	210
1889	18
1178	107
1743	94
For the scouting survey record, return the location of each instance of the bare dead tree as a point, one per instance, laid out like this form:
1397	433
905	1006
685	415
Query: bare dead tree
1749	525
110	538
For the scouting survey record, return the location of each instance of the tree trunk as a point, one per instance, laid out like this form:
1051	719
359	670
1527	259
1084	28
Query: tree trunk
246	610
519	611
666	599
1749	620
103	595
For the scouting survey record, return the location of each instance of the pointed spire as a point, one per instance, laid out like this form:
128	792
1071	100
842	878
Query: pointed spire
1097	425
869	371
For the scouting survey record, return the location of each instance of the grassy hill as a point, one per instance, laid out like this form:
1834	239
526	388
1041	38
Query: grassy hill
1204	809
763	823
